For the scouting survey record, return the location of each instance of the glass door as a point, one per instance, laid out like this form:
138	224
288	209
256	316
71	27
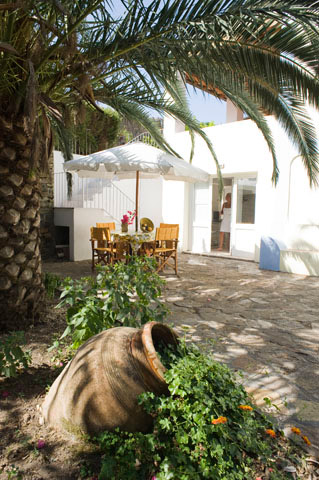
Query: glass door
221	222
201	200
243	232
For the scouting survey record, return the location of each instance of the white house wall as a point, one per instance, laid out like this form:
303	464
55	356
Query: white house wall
287	211
175	208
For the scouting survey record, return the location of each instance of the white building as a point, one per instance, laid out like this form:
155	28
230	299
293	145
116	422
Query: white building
284	220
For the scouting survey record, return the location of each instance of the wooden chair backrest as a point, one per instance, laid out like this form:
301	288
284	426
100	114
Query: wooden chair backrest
170	225
166	233
102	235
110	225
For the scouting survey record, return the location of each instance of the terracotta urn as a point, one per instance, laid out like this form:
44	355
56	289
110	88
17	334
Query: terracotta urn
99	387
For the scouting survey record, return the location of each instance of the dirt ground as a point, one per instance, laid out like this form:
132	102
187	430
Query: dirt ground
61	457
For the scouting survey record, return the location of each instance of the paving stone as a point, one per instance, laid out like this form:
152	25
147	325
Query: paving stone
244	361
307	410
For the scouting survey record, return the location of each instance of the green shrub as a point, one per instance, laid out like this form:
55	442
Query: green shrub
51	284
120	295
184	443
12	357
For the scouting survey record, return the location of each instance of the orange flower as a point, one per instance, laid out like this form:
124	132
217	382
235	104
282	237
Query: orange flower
306	440
271	432
218	420
295	430
245	407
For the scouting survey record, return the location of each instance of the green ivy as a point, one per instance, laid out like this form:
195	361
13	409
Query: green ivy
184	443
97	130
120	295
12	357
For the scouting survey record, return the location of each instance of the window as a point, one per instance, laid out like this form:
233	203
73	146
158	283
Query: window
246	199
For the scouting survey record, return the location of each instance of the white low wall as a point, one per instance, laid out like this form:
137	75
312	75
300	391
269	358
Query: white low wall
303	262
79	221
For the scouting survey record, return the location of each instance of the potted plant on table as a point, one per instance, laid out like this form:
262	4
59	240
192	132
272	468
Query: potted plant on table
127	220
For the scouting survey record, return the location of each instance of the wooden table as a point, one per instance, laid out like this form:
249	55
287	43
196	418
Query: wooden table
135	239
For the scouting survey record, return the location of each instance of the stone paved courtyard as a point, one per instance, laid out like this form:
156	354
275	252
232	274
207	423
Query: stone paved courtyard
263	324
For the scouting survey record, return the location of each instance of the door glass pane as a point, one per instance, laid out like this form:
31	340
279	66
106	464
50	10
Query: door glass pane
246	199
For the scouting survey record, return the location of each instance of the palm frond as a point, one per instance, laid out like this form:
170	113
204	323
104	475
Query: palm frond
259	53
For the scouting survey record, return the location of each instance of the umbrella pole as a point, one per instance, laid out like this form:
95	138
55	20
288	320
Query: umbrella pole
136	200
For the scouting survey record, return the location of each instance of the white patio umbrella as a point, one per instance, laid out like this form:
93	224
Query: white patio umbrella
135	160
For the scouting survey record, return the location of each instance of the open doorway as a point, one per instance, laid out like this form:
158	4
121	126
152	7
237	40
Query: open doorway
221	242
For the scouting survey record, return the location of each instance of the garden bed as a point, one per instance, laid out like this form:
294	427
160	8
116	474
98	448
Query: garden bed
222	413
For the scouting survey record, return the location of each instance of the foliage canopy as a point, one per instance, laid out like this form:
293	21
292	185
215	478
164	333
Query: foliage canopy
261	54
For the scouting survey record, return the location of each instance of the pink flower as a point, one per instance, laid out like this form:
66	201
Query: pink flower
41	444
129	218
153	477
5	394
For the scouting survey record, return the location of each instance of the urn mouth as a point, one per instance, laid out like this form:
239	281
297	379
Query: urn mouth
152	334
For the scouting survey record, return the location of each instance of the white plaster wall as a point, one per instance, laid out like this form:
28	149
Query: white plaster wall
175	208
84	218
233	113
150	197
286	211
79	221
302	230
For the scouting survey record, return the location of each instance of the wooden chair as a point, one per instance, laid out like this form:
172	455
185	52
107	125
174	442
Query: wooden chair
147	247
121	251
101	245
165	247
170	225
110	225
104	250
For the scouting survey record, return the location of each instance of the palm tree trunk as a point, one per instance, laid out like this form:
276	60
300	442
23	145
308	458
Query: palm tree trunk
21	287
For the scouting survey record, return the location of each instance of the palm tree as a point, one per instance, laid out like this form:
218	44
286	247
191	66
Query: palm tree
57	56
